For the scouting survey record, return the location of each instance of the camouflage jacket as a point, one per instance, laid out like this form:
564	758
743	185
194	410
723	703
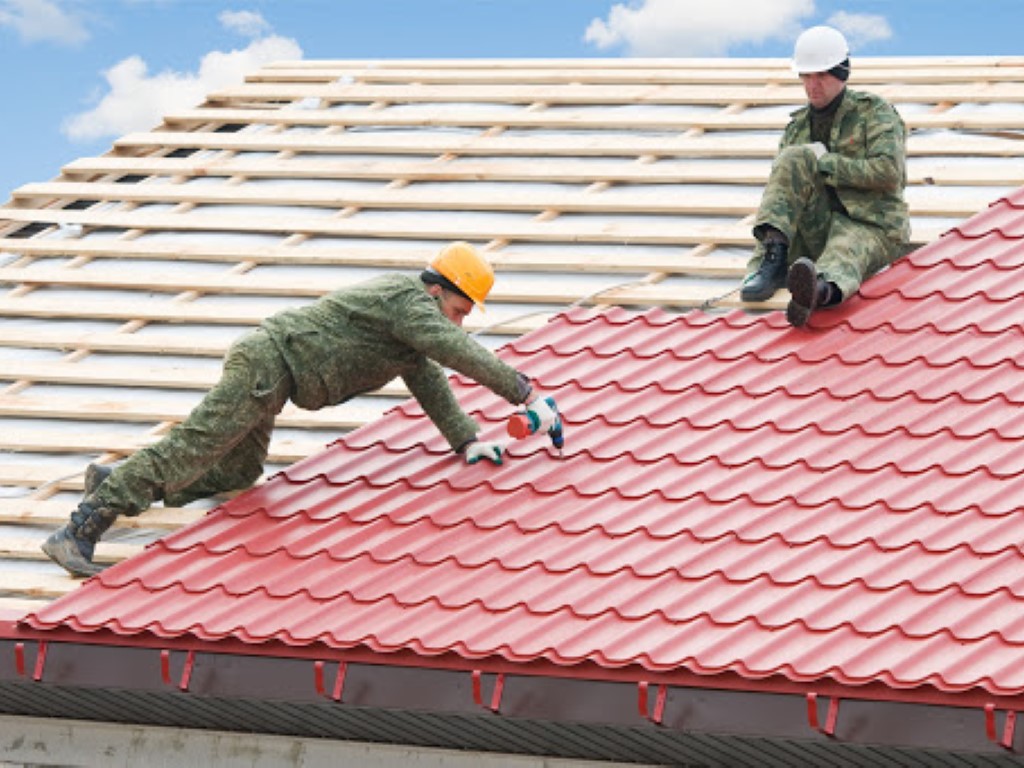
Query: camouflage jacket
866	161
359	338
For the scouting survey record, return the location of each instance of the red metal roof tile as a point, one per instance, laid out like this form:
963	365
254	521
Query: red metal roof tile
838	504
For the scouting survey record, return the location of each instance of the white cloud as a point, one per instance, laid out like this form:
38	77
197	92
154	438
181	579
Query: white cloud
42	20
860	29
136	100
245	23
695	27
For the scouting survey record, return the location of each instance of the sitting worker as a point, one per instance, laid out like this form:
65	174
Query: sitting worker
350	341
832	213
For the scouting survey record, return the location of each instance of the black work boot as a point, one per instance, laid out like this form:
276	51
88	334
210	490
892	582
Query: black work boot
72	546
770	275
95	474
808	290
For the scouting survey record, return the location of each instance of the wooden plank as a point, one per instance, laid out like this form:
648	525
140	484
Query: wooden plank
562	170
562	119
922	170
403	256
596	229
188	345
24	474
113	375
147	311
473	72
593	119
16	607
581	229
190	313
540	291
29	474
867	63
37	585
440	143
789	91
282	450
37	512
679	202
417	143
341	417
514	93
739	202
175	282
28	549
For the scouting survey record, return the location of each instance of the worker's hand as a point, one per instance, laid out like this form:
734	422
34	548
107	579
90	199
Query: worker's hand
543	414
479	449
818	149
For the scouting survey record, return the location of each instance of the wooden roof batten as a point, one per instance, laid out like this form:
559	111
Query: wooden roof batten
628	182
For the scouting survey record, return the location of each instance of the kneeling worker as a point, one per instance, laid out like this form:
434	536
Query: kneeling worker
350	341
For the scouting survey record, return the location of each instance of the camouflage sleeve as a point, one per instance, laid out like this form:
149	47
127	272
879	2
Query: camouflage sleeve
880	164
419	324
429	385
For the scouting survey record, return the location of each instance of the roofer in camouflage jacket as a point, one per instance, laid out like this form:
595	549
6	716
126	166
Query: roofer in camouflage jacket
832	213
351	341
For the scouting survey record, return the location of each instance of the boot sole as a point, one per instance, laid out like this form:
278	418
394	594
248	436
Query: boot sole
802	283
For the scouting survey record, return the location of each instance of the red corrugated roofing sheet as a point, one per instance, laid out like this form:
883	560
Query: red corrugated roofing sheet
837	504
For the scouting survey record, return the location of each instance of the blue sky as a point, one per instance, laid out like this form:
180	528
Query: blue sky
75	74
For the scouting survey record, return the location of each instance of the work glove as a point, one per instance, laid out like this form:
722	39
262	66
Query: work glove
818	149
480	449
544	416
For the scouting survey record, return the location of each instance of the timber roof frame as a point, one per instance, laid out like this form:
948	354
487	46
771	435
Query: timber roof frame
481	150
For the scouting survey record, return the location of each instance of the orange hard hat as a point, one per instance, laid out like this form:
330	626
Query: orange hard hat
463	266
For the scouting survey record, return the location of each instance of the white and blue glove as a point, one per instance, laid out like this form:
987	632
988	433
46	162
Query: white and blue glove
542	416
480	449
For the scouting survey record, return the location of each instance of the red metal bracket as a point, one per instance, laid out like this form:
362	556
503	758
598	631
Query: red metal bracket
40	660
659	702
186	672
19	660
829	728
499	689
1009	726
339	681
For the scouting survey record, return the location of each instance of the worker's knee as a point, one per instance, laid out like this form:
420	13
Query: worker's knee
798	159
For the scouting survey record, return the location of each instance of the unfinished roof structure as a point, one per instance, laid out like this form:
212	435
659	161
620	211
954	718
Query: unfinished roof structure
743	508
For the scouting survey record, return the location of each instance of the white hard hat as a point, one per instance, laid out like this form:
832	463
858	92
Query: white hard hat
818	49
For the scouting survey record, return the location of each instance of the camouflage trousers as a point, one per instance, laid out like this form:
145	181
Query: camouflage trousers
221	446
796	202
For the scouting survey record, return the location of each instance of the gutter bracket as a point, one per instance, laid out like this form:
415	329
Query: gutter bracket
339	680
186	672
19	660
499	689
659	702
1009	727
829	729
